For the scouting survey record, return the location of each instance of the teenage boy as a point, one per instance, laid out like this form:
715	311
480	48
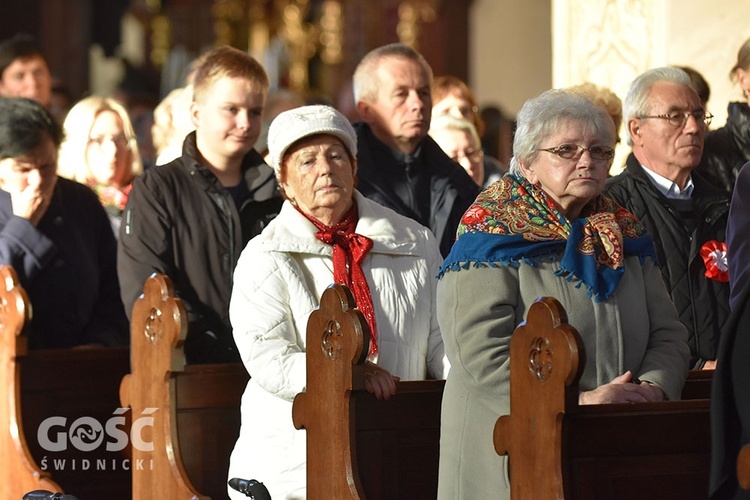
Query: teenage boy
191	218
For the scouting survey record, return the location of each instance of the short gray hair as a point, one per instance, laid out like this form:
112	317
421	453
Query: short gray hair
450	122
541	116
636	103
365	81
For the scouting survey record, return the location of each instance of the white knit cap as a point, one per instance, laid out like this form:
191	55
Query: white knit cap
298	123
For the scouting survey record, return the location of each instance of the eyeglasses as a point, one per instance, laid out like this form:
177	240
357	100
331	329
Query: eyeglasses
120	141
574	152
474	155
679	118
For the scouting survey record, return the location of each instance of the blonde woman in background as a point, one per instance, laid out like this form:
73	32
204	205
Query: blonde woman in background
452	96
100	151
172	123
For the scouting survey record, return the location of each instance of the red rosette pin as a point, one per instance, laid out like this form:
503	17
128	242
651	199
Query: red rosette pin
714	256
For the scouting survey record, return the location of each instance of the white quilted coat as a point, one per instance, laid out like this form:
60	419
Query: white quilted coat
277	284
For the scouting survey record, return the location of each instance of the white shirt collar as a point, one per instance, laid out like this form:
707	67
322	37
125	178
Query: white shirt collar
668	188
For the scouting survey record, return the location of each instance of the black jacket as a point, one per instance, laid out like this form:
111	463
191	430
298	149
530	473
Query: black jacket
730	402
702	303
180	221
728	148
451	190
67	266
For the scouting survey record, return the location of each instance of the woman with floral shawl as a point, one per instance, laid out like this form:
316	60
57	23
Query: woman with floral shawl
545	230
100	151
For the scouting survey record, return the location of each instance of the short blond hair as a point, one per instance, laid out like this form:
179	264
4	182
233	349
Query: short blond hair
227	62
602	96
72	160
172	119
450	122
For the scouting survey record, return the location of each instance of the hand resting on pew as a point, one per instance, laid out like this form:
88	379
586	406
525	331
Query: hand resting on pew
622	389
379	381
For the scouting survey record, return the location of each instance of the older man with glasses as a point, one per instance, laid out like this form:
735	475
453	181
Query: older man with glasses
684	214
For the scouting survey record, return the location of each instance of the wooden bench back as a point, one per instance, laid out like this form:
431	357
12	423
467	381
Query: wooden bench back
195	409
75	390
558	449
357	446
19	472
81	386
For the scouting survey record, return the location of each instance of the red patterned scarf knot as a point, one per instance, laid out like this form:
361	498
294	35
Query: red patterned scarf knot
349	251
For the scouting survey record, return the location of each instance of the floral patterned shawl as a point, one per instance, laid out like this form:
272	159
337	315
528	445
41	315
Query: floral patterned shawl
513	221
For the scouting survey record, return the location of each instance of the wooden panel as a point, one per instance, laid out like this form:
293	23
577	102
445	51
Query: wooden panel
19	472
359	446
73	384
197	417
398	441
558	449
698	384
158	330
208	422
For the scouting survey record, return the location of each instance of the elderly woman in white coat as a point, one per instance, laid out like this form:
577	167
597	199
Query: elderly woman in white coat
545	229
326	232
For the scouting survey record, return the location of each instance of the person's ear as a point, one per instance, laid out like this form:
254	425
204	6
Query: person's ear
635	130
528	172
195	113
742	79
365	111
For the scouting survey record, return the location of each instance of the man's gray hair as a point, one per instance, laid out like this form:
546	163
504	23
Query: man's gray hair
636	103
542	116
365	81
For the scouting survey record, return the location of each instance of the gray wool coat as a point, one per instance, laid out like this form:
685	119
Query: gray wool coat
637	329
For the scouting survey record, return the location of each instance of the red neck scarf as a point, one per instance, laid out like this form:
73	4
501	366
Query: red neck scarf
349	250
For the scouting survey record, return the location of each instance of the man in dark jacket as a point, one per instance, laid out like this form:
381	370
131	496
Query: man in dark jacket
56	235
684	214
399	165
190	219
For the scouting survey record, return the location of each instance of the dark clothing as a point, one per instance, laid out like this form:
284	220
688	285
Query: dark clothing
728	148
738	235
702	303
180	221
67	265
426	186
493	171
730	402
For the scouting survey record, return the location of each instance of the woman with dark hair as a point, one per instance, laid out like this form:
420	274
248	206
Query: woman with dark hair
56	235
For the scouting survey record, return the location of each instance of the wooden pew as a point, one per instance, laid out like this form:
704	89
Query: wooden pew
698	384
358	446
19	472
64	384
558	449
195	409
